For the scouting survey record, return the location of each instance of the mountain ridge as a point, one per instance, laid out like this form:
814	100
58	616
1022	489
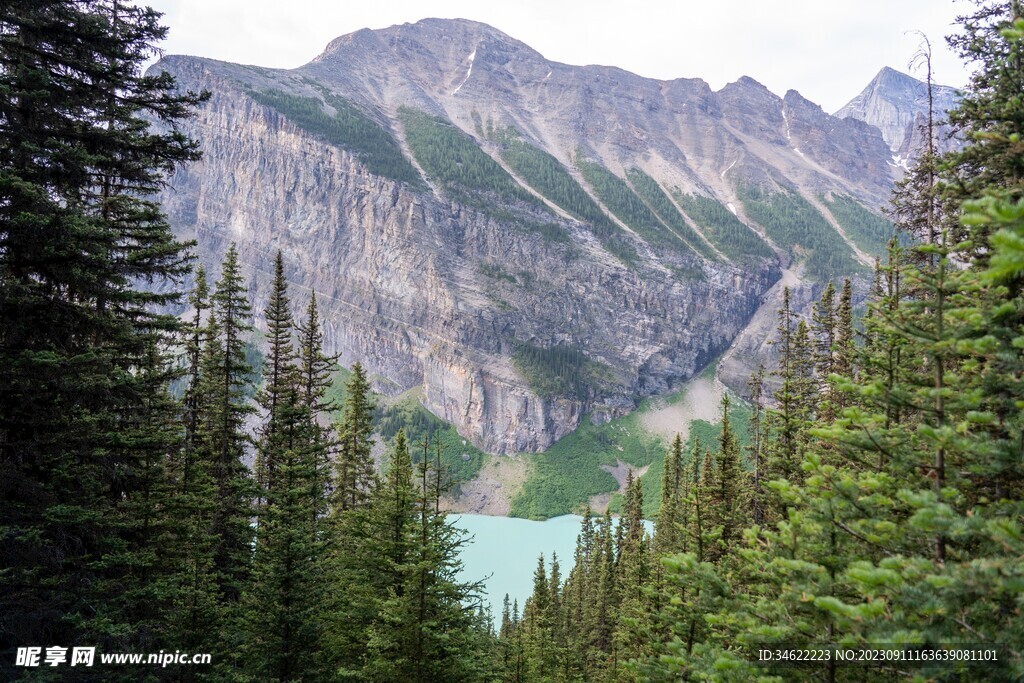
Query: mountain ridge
549	207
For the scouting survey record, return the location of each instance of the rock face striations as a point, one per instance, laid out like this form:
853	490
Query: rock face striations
529	241
897	104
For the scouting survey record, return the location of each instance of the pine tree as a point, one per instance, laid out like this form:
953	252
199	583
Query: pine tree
195	618
225	387
355	565
824	323
632	631
538	624
428	631
756	449
796	400
199	300
315	369
845	350
695	510
606	602
85	256
354	466
667	532
728	496
279	396
281	607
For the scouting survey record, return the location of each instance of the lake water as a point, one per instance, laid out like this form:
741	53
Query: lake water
504	552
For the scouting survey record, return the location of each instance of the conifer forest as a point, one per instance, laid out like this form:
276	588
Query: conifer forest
177	483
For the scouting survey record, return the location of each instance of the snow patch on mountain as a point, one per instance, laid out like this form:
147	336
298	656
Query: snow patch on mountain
469	72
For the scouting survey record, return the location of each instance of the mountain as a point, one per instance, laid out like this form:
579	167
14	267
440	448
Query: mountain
523	241
897	104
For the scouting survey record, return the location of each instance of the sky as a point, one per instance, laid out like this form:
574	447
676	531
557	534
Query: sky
827	50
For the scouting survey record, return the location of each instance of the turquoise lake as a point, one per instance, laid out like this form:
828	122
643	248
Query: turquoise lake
503	552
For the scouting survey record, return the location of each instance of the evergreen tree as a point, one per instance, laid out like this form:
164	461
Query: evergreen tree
795	399
728	496
280	612
632	632
845	350
824	322
428	630
354	467
199	300
85	256
195	616
226	385
667	532
539	626
280	394
756	449
315	378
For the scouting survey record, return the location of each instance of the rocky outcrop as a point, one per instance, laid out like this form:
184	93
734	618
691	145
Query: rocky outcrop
897	104
427	289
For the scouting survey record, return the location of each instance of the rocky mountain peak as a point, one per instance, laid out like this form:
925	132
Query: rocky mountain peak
478	218
897	104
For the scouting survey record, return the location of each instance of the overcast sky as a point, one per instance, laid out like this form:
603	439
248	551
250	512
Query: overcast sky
826	49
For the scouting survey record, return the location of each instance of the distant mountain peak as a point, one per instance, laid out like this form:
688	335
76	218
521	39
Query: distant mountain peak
897	104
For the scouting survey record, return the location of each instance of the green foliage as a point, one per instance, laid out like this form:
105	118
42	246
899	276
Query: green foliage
87	262
652	193
620	199
407	413
871	232
546	174
701	431
723	229
496	272
348	128
453	159
429	625
460	458
279	609
794	224
354	474
568	473
559	370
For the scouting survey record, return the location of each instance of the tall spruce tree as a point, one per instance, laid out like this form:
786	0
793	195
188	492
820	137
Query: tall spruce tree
226	387
195	618
315	369
280	615
85	256
429	629
354	475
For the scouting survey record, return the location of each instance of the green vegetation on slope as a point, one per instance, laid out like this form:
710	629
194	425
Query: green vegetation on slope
652	193
558	370
546	175
566	475
738	242
452	158
620	199
793	223
461	458
708	433
349	128
868	230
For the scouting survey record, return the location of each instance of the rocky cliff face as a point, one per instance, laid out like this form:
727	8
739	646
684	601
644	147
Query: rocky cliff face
897	104
440	284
